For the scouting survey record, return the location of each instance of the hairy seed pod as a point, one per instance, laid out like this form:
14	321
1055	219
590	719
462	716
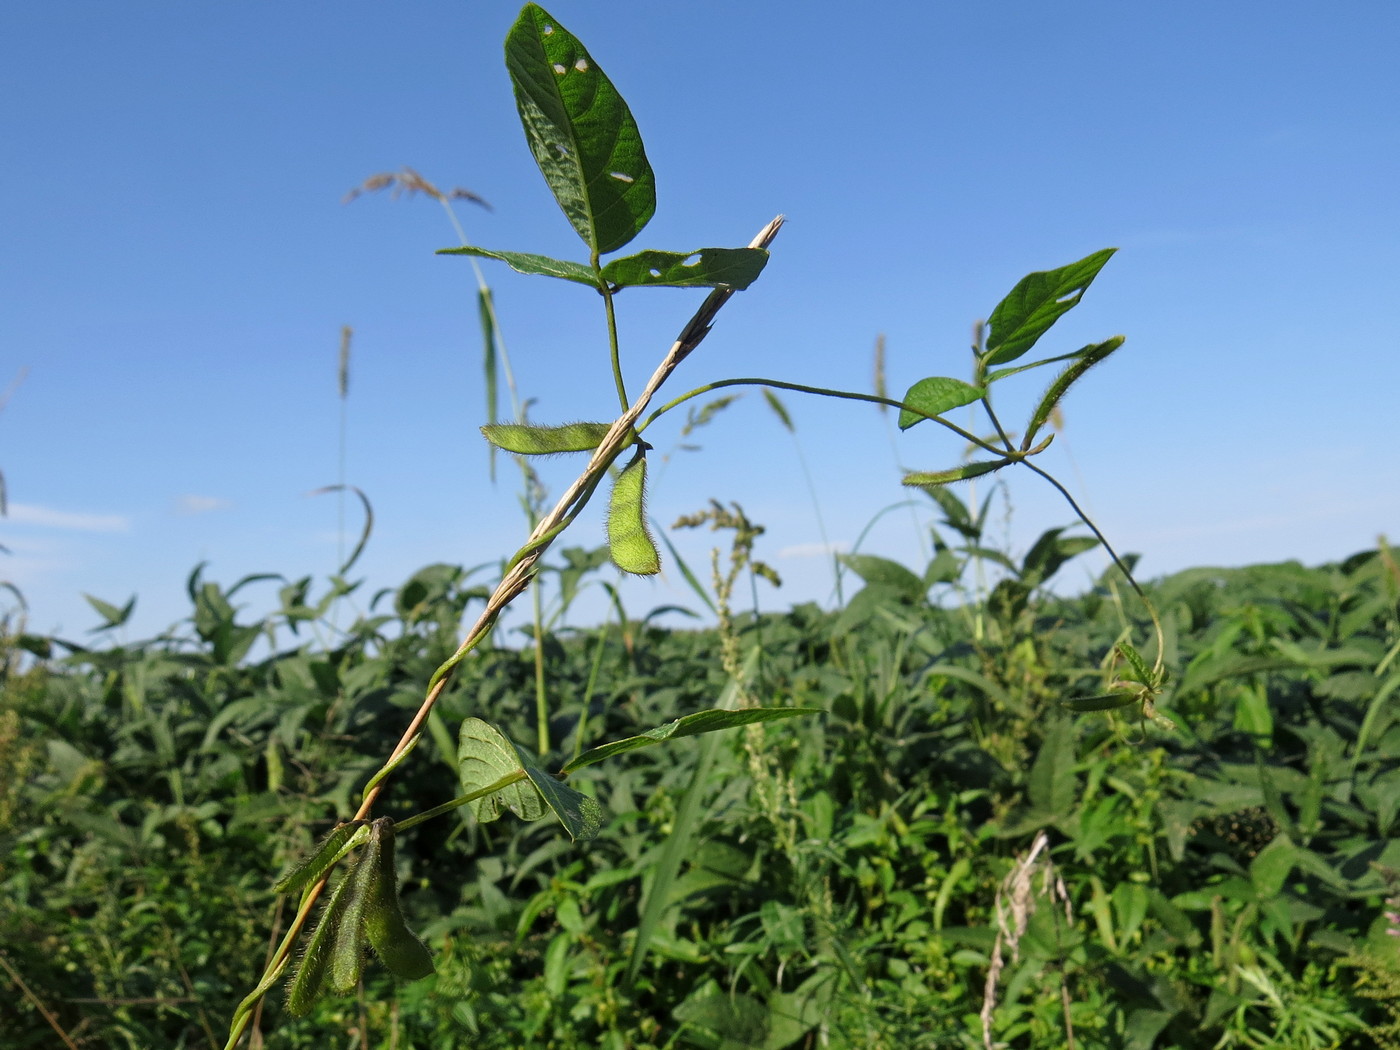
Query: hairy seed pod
630	544
529	440
314	866
309	983
347	948
398	948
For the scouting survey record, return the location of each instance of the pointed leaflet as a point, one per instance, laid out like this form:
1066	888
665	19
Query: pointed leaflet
581	132
704	268
530	263
934	396
689	725
630	544
1035	304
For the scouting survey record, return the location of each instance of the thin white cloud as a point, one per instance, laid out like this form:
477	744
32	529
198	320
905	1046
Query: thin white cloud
192	504
47	517
813	550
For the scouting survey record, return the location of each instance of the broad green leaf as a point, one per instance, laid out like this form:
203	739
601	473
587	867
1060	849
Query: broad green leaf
704	268
688	725
934	396
529	440
328	851
883	572
1035	304
581	815
1272	866
1084	360
398	948
581	132
1052	786
1049	552
529	263
485	756
629	543
947	477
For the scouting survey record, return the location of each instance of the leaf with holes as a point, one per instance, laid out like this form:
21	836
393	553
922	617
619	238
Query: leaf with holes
735	268
530	440
581	132
1036	303
934	396
534	265
630	544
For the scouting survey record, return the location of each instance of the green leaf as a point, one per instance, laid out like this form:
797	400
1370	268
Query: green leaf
398	948
886	573
629	543
934	396
1084	360
529	440
735	268
581	132
947	477
485	756
1052	786
1035	304
688	725
114	616
1002	373
535	265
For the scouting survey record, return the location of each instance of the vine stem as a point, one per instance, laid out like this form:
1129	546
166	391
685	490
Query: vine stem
514	581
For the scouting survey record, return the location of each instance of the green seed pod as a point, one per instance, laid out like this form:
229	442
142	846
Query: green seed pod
528	440
398	948
309	983
347	948
314	866
630	544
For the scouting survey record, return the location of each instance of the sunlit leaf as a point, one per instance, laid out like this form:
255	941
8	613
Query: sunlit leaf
581	132
529	263
934	396
688	725
705	268
1036	303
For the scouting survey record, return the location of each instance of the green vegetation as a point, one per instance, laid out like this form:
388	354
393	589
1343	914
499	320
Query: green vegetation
932	828
1225	881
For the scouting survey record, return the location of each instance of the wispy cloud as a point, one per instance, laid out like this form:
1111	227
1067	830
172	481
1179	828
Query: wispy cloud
813	550
191	504
47	517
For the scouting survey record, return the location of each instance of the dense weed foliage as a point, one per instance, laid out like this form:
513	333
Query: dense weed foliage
842	883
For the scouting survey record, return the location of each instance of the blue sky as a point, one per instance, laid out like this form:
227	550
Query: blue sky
177	263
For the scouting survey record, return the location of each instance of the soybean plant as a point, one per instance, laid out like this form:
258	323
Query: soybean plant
589	150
